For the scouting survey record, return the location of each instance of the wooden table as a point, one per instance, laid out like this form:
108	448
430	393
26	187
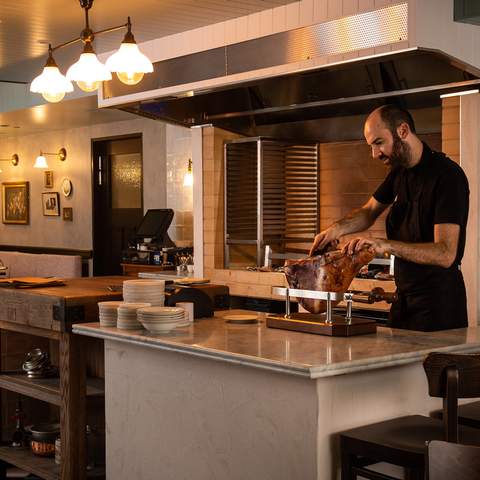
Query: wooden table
50	313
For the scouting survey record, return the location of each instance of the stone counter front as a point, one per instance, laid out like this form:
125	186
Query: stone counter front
308	355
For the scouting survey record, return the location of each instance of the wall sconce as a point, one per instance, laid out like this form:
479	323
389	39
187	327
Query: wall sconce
41	161
188	177
13	160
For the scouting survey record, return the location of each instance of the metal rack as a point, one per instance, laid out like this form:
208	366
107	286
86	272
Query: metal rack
323	323
271	195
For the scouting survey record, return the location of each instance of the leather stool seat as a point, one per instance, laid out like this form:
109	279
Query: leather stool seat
468	414
401	441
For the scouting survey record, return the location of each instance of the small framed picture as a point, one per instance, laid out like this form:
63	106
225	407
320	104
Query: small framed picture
67	214
48	179
51	203
15	202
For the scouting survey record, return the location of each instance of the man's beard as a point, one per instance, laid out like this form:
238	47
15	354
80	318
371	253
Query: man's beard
401	153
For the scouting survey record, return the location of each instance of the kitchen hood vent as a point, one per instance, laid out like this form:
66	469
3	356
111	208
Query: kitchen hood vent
245	87
335	37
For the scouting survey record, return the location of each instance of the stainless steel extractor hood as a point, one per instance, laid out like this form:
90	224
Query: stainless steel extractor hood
413	77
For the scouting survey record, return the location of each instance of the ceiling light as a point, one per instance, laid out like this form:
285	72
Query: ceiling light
458	94
41	161
51	83
128	62
188	177
88	71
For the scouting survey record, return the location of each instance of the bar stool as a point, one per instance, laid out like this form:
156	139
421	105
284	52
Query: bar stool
401	441
468	414
447	461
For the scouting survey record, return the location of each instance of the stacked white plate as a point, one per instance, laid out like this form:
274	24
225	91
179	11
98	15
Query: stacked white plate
144	291
127	315
108	313
161	319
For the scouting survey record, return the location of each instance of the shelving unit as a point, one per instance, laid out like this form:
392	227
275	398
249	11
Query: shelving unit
45	389
50	313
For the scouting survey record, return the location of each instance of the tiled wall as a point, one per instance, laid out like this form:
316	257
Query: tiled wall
451	127
178	151
349	176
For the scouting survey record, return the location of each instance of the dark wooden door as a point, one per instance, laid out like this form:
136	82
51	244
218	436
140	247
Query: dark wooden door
117	200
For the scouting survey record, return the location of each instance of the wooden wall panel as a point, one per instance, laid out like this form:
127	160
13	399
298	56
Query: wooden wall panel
469	117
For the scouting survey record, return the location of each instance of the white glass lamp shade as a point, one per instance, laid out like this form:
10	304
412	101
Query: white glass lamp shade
40	162
188	179
88	72
51	84
129	63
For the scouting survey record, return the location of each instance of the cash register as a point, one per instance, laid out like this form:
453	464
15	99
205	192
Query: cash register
150	238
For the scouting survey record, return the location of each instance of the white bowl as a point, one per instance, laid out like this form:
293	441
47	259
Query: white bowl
159	327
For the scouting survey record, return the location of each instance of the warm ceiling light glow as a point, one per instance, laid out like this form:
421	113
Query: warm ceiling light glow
88	71
40	162
51	84
188	177
458	94
129	62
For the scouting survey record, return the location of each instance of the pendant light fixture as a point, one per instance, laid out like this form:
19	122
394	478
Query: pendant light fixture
88	72
51	83
129	63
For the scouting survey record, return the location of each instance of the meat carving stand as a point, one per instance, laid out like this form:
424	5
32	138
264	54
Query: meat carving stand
327	323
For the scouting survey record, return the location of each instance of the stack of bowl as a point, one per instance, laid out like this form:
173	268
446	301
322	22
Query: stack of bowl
161	319
108	313
144	291
127	315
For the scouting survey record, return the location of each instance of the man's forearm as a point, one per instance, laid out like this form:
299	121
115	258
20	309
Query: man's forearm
356	221
423	253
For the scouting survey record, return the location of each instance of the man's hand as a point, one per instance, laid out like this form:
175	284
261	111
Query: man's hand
378	246
323	239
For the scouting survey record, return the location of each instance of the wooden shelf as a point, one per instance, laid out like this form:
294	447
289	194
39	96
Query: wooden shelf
45	389
23	458
43	467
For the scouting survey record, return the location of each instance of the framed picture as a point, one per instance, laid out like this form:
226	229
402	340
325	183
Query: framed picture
51	203
68	214
15	202
48	179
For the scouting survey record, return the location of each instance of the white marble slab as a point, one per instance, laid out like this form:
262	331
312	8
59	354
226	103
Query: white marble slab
307	355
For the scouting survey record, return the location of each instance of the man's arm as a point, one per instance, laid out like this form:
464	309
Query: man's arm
441	252
356	221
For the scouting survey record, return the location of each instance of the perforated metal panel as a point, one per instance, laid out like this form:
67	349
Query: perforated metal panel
347	34
364	30
271	196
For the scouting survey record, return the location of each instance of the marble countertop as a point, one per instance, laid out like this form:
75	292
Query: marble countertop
308	355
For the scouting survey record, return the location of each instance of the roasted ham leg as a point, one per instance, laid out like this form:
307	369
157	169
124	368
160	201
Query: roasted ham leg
331	272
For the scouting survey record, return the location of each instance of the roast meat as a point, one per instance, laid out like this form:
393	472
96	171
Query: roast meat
330	272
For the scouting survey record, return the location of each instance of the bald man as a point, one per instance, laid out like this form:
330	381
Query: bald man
425	226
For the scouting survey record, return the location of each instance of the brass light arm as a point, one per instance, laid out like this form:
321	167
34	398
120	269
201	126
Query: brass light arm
61	154
14	159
